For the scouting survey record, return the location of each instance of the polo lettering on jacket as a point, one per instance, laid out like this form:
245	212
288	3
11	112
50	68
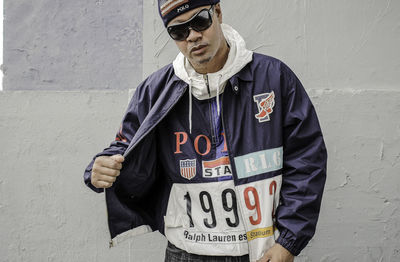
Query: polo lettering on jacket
182	138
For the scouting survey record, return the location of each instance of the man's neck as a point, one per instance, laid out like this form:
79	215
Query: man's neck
217	63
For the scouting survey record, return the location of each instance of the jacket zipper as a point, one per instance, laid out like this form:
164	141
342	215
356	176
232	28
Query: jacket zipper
214	135
231	159
111	242
207	84
223	127
211	120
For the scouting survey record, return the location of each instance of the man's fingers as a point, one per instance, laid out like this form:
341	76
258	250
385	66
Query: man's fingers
102	170
105	170
267	257
277	253
105	178
264	259
102	184
108	162
102	181
118	158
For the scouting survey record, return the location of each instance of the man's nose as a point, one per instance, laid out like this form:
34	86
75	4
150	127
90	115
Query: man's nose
193	35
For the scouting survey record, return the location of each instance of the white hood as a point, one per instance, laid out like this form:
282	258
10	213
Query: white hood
239	56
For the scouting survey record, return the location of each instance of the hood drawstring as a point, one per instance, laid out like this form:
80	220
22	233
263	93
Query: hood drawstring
190	105
218	83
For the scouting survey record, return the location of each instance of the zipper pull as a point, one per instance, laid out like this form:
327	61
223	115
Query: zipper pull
207	84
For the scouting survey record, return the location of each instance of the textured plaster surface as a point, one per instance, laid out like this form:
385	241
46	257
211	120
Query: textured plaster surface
360	216
329	44
46	212
67	45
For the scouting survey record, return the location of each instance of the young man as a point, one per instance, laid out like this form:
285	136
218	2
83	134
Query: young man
222	150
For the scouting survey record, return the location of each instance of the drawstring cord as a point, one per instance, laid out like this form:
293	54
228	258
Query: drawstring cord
218	106
190	105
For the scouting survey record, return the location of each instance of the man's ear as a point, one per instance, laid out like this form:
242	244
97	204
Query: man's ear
218	12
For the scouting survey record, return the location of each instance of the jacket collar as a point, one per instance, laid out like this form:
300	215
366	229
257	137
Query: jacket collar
246	74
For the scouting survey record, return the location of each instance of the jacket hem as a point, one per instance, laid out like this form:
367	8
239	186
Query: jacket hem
140	230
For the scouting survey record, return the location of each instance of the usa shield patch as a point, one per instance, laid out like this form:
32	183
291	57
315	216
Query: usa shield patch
188	168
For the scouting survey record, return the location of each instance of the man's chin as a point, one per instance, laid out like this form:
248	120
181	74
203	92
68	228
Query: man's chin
202	60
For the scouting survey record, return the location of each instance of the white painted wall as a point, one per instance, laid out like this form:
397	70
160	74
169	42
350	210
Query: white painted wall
345	53
329	44
72	45
1	44
46	212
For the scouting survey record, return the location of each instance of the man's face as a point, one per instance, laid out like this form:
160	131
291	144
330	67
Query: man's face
200	48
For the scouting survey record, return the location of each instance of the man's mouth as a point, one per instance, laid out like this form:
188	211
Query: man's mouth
198	49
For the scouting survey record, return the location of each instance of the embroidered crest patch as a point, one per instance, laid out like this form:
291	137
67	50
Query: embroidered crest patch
265	104
188	168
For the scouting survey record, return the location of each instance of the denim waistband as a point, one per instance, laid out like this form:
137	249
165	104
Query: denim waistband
175	254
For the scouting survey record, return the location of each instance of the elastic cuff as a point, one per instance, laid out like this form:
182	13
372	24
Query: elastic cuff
290	245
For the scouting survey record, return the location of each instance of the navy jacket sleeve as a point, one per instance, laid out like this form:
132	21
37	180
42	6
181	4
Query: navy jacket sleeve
127	130
304	166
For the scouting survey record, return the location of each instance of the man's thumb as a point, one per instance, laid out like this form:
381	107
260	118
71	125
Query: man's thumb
118	158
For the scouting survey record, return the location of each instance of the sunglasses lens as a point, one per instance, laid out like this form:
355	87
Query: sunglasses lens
178	32
200	22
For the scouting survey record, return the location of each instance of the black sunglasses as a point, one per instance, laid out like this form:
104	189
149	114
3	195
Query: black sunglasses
199	22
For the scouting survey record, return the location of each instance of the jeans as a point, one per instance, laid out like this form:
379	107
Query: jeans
174	254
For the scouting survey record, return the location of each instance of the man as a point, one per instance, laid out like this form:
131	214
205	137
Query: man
221	151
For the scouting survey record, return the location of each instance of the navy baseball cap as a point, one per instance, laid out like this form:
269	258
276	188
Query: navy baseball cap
169	9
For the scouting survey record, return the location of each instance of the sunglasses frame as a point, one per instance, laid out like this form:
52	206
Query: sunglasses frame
189	27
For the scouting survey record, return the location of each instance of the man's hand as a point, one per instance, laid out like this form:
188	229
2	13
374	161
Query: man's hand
105	170
277	253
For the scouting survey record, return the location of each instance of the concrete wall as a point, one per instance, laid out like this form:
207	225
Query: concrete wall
329	44
46	212
72	45
345	53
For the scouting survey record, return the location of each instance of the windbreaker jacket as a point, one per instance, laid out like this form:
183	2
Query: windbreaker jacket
275	147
